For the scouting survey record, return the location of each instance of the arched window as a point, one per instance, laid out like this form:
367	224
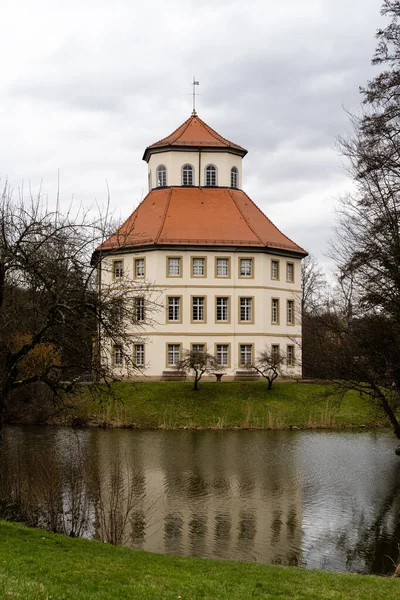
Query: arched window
211	175
187	175
161	176
234	177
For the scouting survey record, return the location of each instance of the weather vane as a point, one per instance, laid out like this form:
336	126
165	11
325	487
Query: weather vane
194	113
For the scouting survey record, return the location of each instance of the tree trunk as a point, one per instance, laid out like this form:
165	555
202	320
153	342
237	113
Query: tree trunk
390	414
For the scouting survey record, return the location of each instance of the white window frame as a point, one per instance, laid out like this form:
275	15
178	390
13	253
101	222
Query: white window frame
210	176
290	355
198	266
187	175
275	311
161	176
174	309
246	267
139	267
222	308
275	270
118	269
173	354
275	351
246	310
118	356
246	354
198	308
234	177
139	309
290	312
222	355
198	349
174	266
139	355
221	267
290	272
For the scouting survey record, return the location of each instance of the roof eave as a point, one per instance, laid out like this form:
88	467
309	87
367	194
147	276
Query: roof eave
189	148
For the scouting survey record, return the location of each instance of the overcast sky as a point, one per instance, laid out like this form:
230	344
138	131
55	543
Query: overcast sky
86	86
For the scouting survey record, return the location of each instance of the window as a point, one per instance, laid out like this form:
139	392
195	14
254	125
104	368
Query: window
174	267
274	269
198	308
211	175
161	176
222	267
290	272
119	310
222	355
198	351
246	354
138	356
118	356
198	267
290	312
246	267
139	309
223	310
234	177
118	269
173	354
174	308
275	311
246	309
290	359
275	352
187	175
139	267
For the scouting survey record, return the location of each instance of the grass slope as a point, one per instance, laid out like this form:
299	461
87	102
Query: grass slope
226	405
36	565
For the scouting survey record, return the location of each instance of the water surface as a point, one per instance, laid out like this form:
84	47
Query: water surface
315	499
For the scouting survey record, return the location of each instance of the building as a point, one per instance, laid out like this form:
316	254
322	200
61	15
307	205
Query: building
229	281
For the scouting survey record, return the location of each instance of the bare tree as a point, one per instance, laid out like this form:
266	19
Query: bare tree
269	364
50	308
367	244
313	285
198	362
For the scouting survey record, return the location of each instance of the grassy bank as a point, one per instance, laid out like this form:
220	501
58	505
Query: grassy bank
36	565
223	405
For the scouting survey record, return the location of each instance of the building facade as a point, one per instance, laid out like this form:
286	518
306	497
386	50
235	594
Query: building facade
226	280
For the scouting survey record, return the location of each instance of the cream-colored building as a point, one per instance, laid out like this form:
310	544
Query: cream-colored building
225	279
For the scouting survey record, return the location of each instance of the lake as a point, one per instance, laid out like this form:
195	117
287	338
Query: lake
326	500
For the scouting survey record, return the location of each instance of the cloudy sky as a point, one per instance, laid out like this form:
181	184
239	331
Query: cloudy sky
86	86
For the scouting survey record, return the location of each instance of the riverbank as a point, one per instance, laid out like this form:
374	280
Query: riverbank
174	405
37	565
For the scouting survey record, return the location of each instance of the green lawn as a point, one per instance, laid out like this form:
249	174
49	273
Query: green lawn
36	565
225	405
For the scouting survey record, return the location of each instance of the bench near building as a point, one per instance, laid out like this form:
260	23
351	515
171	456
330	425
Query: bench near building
227	280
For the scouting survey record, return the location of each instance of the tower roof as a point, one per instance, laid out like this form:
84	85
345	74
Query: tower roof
199	217
194	133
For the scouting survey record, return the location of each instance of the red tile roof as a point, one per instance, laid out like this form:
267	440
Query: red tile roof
199	217
194	133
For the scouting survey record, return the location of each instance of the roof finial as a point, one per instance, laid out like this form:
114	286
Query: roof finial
194	113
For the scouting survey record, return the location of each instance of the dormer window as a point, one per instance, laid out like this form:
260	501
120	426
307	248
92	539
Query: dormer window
211	175
234	177
161	176
187	175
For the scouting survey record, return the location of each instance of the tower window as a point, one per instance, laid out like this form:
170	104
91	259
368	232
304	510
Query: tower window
187	175
161	176
211	175
234	177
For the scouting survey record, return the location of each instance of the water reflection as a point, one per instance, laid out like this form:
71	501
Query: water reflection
322	499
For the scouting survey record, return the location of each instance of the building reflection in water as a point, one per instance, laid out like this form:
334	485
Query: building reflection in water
211	494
